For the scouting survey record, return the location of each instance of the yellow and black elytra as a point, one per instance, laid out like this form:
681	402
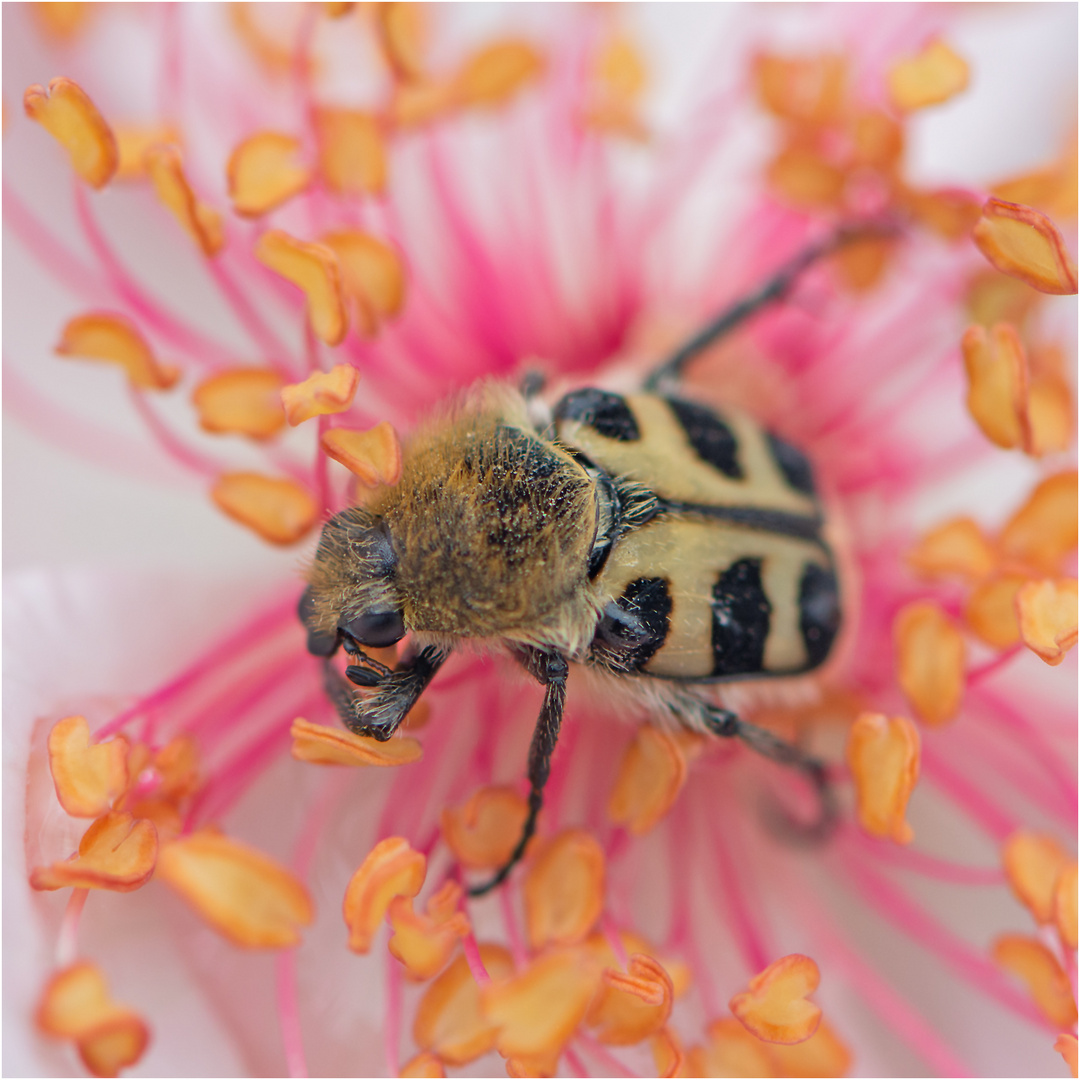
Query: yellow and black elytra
661	542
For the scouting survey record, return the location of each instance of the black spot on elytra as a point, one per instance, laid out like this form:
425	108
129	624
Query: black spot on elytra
741	616
792	463
713	441
819	612
607	414
633	627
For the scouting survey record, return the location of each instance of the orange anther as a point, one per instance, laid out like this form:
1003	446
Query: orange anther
134	142
803	177
730	1051
1066	1046
116	853
1050	401
162	814
862	263
1065	905
878	139
88	777
423	943
933	76
496	73
823	1054
949	212
543	1065
990	611
678	971
62	20
1043	531
201	222
352	151
538	1009
391	869
668	1055
321	394
99	335
69	116
1032	864
263	172
883	755
1048	618
483	833
994	298
280	511
313	268
320	744
336	9
1046	981
448	1019
1051	189
372	274
1025	244
621	68
424	1064
774	1008
805	89
417	103
929	660
76	1005
564	889
373	456
401	35
275	54
632	1005
651	775
244	401
996	369
956	549
242	893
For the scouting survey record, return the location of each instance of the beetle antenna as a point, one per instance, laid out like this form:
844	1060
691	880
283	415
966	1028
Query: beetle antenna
775	289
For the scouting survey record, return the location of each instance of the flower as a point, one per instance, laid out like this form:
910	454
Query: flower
318	251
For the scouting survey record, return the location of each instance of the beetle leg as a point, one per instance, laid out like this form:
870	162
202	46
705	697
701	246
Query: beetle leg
725	723
379	715
550	669
772	291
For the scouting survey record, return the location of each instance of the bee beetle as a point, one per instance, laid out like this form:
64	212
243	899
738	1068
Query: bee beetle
649	537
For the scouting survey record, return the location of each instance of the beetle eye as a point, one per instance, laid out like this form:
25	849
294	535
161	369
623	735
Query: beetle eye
377	628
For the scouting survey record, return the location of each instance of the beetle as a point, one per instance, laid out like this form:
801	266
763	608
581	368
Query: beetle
658	541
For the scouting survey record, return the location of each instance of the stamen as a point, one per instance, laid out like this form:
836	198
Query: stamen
933	76
483	833
949	212
100	335
997	384
133	144
563	891
633	1005
990	611
392	868
280	511
313	269
956	549
352	152
1025	244
401	28
1050	401
87	777
244	401
323	745
1065	905
1046	981
774	1008
497	72
1032	864
373	456
823	1054
116	853
201	222
883	755
424	943
240	892
69	116
263	173
1066	1046
669	1058
76	1005
424	1064
448	1021
930	660
372	275
1044	530
731	1050
63	21
808	90
1048	617
651	775
322	394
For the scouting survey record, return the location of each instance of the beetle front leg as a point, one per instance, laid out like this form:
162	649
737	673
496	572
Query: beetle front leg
396	692
551	669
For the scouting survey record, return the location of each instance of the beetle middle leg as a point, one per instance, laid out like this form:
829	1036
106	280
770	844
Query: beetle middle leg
726	724
551	669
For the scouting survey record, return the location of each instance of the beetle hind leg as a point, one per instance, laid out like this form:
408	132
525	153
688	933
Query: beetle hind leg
726	724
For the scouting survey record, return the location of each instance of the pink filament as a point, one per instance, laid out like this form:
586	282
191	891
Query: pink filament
67	942
289	1013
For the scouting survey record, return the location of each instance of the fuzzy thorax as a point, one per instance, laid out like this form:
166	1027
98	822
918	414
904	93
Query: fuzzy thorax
490	527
